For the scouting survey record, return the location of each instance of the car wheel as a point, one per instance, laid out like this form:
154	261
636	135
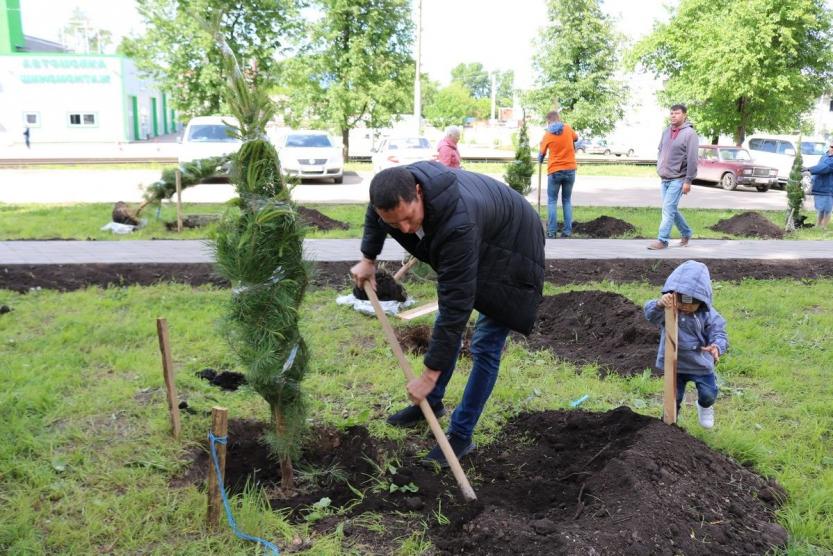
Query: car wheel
339	179
728	181
630	153
581	151
762	188
607	152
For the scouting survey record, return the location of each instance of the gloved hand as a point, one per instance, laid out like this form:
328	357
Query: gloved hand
540	158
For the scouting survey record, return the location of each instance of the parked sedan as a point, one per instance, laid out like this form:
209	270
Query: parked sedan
605	147
397	151
733	166
311	154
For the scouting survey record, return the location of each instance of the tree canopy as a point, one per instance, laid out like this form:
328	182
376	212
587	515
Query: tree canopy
576	65
474	78
353	66
450	105
742	65
181	55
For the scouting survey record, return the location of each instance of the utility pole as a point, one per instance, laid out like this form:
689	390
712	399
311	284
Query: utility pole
417	76
494	96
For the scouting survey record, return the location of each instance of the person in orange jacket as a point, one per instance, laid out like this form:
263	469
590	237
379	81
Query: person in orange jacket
558	145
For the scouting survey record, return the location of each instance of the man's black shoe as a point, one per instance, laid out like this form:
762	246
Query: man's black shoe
412	415
460	446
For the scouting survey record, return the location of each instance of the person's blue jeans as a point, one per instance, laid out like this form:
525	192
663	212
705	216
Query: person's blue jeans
672	191
562	180
486	348
706	388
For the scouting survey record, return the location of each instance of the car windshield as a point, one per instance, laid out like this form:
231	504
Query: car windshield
409	143
211	133
308	141
734	154
812	148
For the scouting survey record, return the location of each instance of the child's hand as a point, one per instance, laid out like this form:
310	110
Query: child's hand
667	300
714	351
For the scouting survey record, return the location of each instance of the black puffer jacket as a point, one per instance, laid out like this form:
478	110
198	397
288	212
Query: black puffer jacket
485	243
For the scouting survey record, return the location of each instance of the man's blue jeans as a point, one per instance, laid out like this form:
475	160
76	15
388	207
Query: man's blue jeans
562	180
706	388
672	191
486	348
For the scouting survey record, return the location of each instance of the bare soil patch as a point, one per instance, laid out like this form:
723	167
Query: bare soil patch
748	224
554	482
387	289
316	219
603	227
596	327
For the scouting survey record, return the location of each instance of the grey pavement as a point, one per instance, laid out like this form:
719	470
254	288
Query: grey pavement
197	251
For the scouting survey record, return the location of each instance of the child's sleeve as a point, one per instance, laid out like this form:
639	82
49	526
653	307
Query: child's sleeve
654	313
716	331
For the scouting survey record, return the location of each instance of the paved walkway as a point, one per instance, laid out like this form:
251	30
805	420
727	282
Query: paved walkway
197	251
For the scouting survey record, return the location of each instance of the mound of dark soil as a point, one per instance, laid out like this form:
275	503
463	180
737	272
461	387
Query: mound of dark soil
123	215
749	224
225	380
603	227
593	326
315	219
194	221
415	339
387	289
556	482
5	309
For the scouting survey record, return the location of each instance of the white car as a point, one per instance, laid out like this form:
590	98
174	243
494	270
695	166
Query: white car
208	136
311	154
397	151
779	151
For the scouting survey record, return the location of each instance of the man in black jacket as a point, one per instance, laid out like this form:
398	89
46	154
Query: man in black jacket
486	244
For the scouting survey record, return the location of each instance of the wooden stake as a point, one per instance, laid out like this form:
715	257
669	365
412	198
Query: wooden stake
178	200
419	311
539	190
669	392
405	268
450	457
219	427
168	373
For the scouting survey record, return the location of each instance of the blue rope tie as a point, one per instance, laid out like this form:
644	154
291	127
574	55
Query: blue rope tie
233	524
578	402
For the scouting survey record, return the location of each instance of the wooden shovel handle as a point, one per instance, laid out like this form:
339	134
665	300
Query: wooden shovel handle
448	452
405	268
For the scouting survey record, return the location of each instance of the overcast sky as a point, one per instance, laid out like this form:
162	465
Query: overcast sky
500	34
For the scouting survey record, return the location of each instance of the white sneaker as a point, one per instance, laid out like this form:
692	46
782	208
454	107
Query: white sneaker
706	416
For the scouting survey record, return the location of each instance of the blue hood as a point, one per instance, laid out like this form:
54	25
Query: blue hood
691	278
556	128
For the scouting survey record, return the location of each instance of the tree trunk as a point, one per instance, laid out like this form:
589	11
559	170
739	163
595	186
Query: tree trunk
740	132
715	139
287	473
345	140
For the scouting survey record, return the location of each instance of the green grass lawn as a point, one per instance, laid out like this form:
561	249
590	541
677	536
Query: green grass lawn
83	221
87	457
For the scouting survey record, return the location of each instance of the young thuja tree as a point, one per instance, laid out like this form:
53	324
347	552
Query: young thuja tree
520	170
259	249
795	191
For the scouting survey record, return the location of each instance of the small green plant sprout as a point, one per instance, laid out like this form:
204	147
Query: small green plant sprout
438	514
319	510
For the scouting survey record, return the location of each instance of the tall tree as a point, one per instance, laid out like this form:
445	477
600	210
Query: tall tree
743	65
474	78
181	55
451	105
355	66
505	84
576	65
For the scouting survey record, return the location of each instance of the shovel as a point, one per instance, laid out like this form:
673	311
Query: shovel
450	457
539	190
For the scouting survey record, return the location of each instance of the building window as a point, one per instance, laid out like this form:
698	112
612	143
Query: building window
31	119
82	120
831	105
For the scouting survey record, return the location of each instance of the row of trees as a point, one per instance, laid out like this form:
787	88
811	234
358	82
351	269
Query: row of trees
740	65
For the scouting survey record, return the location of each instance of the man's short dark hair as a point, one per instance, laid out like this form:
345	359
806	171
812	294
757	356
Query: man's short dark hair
553	116
681	107
389	187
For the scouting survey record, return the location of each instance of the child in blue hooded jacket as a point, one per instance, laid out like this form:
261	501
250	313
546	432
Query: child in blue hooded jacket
701	334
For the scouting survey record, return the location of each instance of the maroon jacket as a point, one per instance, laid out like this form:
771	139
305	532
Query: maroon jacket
448	153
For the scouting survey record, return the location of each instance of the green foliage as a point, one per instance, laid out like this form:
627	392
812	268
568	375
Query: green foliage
259	249
520	170
451	105
193	173
353	66
795	190
742	65
576	64
474	78
179	53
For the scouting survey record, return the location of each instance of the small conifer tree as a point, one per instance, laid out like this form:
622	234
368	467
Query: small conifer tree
795	191
520	170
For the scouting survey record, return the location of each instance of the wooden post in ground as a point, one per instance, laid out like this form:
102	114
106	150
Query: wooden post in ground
168	373
219	427
405	268
178	200
669	391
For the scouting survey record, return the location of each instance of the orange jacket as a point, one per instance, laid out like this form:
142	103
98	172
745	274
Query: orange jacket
562	152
